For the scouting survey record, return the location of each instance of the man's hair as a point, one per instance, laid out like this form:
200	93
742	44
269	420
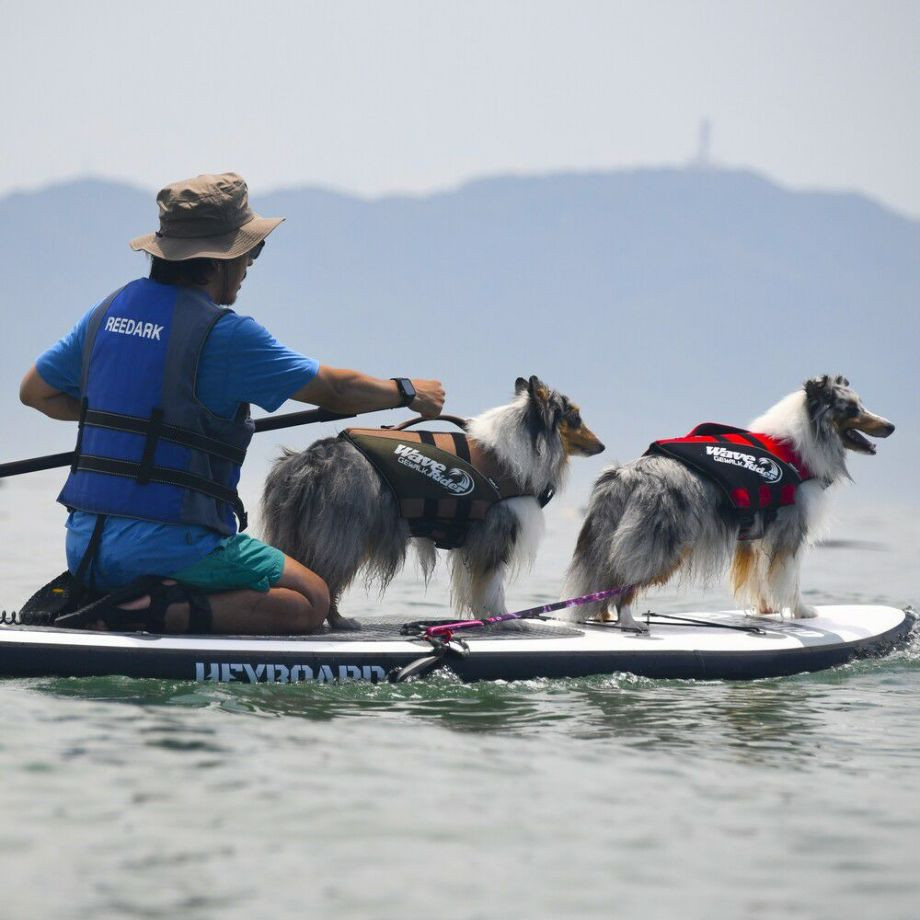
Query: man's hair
191	271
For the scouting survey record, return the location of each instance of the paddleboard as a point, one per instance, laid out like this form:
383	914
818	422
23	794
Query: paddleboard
726	645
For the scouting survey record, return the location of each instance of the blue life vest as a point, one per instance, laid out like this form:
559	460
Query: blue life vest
147	448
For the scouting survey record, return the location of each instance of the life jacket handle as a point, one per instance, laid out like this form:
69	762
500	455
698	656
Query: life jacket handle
461	423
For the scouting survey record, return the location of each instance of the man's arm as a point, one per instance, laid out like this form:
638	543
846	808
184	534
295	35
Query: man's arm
341	390
34	392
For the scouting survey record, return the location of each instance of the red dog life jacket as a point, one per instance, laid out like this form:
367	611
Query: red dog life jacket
756	472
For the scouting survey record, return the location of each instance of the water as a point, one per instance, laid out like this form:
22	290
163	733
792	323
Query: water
612	796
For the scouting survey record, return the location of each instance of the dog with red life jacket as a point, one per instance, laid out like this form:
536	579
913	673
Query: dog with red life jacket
724	497
351	504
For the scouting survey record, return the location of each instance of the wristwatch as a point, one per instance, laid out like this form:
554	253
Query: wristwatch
406	390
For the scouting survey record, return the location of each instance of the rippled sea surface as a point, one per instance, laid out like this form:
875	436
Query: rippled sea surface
613	796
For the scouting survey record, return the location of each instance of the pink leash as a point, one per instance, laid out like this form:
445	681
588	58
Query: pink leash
433	632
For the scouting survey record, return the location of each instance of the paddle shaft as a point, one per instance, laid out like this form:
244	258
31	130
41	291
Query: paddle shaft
270	423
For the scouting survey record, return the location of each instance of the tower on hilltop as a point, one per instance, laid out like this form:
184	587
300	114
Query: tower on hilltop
702	158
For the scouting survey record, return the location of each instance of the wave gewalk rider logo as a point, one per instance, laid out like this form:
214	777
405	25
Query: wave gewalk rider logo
455	480
763	466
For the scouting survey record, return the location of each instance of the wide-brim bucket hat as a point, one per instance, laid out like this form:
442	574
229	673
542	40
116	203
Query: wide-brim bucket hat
207	217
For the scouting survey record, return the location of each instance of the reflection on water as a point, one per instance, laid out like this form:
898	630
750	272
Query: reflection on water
759	722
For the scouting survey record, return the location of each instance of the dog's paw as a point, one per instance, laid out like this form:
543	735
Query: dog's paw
626	620
513	626
805	612
338	623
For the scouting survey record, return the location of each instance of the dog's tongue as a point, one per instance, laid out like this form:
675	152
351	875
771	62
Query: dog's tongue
859	442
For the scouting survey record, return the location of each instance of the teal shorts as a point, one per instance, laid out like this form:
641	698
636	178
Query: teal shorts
238	562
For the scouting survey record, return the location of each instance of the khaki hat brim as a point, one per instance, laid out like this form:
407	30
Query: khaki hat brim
227	246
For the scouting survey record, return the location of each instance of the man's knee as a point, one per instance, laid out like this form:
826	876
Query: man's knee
292	612
317	597
310	602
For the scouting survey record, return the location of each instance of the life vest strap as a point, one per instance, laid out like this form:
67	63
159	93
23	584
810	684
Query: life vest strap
84	408
154	428
133	424
89	555
166	476
461	447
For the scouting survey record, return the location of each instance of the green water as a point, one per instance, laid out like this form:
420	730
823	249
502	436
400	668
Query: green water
601	797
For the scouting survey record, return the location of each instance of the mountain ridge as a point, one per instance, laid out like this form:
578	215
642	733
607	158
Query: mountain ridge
499	177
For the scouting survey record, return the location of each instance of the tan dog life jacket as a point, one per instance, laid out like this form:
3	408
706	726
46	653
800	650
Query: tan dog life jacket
442	480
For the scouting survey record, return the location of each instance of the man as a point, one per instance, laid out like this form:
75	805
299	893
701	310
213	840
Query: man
160	376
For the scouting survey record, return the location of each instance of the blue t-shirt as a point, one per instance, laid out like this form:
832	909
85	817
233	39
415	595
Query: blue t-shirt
241	362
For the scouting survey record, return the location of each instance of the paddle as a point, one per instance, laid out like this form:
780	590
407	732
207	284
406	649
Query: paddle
270	423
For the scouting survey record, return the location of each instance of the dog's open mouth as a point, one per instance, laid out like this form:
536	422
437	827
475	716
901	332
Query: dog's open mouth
855	440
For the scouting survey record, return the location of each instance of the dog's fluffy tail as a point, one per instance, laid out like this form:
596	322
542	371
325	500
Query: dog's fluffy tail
646	521
327	508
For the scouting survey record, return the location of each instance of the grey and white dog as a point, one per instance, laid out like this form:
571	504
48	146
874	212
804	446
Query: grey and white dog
655	518
328	508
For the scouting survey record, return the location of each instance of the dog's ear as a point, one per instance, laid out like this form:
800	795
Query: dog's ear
538	420
519	386
819	397
538	389
841	380
818	390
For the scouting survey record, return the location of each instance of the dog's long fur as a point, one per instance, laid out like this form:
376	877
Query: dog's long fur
328	508
655	518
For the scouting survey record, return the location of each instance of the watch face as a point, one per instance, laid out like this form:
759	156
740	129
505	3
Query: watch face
406	390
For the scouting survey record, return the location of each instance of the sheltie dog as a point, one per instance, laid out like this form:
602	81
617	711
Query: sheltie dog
657	517
330	509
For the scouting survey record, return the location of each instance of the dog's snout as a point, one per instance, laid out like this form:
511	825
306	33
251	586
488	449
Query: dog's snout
876	426
600	447
882	428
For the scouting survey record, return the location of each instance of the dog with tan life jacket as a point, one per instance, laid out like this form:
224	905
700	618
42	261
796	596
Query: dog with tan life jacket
351	504
725	497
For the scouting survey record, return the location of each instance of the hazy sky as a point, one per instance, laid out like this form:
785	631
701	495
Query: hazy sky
382	96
